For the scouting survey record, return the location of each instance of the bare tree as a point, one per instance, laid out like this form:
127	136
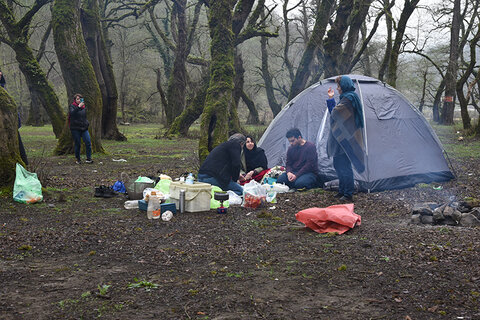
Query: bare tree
17	37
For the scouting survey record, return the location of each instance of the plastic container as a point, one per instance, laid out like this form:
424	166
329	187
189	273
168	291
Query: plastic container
271	195
197	195
190	179
131	204
167	215
153	210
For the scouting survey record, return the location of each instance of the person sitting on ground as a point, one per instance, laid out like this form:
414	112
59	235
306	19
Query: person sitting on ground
2	80
346	121
254	162
302	162
222	166
77	119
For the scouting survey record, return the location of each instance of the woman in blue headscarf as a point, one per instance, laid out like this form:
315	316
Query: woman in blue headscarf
345	145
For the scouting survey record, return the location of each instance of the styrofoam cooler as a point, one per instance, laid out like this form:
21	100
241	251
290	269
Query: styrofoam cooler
197	195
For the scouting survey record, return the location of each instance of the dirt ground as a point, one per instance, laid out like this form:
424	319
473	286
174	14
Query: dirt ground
75	256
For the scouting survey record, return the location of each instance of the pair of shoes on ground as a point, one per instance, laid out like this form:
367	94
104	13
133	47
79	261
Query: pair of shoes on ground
104	192
86	161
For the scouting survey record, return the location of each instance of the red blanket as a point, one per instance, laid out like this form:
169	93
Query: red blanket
338	218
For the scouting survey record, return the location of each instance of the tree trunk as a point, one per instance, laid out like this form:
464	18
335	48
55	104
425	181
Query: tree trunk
9	152
424	90
333	43
178	79
315	44
219	100
388	44
407	11
38	85
194	110
77	70
451	75
436	101
357	18
103	69
267	78
238	91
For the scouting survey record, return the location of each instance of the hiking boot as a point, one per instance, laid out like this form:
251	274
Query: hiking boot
346	199
78	161
89	161
338	195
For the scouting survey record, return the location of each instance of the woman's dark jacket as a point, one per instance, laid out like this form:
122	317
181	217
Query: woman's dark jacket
77	118
254	159
223	163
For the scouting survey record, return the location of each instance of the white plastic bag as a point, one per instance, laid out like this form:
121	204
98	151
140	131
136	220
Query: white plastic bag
253	194
234	198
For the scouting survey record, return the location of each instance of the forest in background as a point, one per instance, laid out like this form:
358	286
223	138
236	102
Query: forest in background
226	63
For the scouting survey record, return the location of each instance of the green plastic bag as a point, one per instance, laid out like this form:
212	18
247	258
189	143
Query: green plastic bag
27	187
214	204
164	186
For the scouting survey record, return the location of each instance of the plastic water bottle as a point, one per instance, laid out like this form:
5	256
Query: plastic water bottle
272	195
153	209
131	204
189	179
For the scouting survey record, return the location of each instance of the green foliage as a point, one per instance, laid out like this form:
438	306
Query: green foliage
142	284
103	289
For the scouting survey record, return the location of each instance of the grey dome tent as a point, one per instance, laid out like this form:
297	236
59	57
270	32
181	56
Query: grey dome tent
401	147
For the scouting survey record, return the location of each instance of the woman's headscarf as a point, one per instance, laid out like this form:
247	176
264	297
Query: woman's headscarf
254	158
348	91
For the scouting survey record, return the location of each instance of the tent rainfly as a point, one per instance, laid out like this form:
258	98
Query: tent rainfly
401	147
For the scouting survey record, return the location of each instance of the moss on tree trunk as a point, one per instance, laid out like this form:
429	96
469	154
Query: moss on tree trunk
219	104
38	85
102	67
77	69
9	152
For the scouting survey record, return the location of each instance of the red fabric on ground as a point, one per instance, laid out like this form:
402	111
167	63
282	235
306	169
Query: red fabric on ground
337	218
258	177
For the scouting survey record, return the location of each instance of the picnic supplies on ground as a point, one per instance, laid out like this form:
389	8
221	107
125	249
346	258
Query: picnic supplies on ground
153	209
104	192
254	194
197	195
119	186
233	199
337	218
163	185
131	204
135	187
214	204
27	187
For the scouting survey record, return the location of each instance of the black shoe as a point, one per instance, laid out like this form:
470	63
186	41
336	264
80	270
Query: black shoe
89	161
99	191
78	161
346	199
338	195
108	192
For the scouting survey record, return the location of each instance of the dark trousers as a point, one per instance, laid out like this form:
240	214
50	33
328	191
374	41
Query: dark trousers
77	136
343	167
308	180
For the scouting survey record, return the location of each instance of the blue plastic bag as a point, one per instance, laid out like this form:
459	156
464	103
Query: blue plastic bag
119	187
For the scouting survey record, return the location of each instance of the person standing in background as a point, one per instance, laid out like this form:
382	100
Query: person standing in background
77	119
